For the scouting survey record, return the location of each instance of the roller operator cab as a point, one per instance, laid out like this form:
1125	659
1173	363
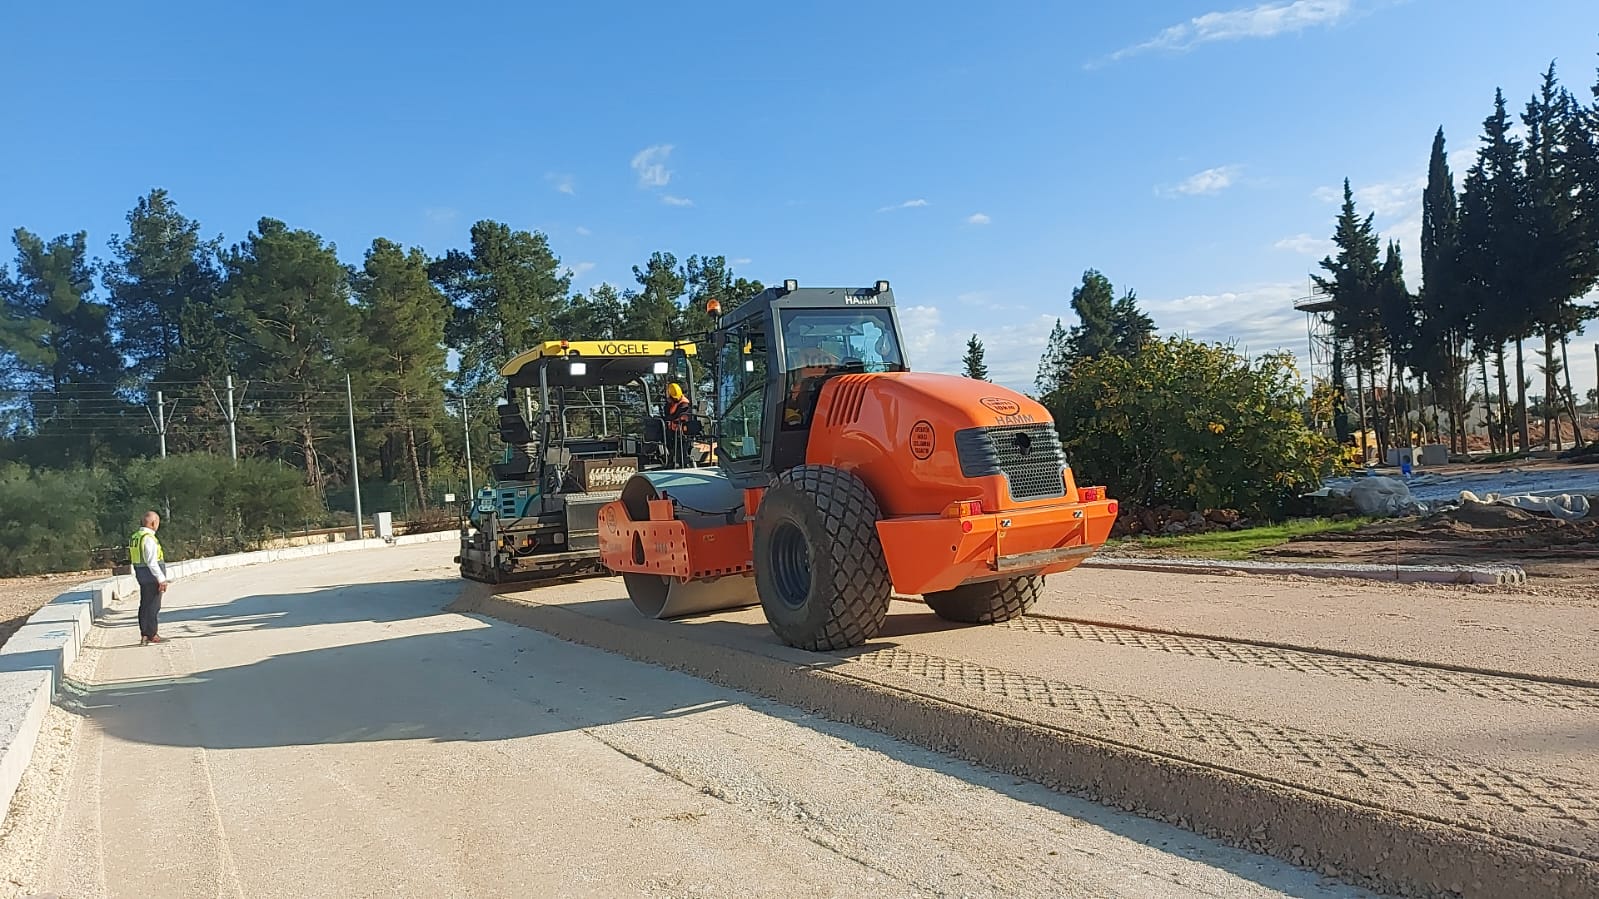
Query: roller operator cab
843	478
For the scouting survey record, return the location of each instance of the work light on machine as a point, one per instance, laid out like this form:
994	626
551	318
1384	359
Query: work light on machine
579	369
661	367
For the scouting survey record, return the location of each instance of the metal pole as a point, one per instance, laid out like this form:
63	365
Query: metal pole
355	467
466	433
161	421
233	431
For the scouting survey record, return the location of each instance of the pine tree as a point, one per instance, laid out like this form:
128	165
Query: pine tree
159	269
293	297
1055	361
56	350
508	292
652	310
1493	235
594	316
1094	301
1352	285
973	363
1130	327
400	352
1443	312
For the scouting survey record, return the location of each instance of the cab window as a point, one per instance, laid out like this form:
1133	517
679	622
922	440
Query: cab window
741	394
820	343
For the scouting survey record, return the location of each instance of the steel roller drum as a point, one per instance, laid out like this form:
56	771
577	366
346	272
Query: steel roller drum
705	498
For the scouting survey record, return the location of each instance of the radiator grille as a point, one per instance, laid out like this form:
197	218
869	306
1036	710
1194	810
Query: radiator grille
1029	456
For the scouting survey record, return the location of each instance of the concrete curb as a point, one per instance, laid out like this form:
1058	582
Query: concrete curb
1493	575
35	660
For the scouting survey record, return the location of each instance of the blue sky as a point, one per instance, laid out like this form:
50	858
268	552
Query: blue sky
979	156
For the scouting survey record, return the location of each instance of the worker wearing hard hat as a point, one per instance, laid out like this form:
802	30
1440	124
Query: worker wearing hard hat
676	413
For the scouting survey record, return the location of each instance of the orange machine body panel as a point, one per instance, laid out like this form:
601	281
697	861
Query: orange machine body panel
897	433
669	547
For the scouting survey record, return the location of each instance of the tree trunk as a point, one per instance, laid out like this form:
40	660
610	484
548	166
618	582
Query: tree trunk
1521	398
1551	393
1505	421
416	467
1487	403
1571	395
1360	404
313	465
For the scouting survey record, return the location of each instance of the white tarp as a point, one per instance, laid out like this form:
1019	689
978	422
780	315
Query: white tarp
1566	506
1383	497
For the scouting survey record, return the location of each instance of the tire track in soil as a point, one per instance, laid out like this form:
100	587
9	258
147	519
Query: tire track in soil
1416	676
1464	790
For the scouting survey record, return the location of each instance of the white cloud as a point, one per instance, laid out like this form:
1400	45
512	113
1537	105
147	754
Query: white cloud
908	204
978	218
670	200
650	164
1012	351
1266	20
742	260
1206	183
440	215
578	270
919	325
584	232
1305	245
562	183
1257	319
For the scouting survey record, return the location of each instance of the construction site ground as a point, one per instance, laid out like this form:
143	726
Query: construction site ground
375	720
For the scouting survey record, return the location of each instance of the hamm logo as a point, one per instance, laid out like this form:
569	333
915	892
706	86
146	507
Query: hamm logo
1000	405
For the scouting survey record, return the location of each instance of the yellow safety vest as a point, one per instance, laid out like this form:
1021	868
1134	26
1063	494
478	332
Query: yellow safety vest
136	548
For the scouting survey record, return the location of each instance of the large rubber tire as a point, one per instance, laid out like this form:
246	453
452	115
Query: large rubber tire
819	566
987	602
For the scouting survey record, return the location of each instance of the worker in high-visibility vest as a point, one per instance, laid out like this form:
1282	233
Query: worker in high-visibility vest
150	570
676	412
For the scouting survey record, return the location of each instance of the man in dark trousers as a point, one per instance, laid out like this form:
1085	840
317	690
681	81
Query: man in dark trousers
150	569
677	413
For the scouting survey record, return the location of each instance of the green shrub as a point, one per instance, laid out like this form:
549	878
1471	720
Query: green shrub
1191	425
210	505
48	519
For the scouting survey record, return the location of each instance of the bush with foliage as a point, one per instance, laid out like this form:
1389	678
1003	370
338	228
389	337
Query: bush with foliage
56	519
1191	425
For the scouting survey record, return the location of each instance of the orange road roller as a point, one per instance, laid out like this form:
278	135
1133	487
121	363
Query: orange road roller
843	478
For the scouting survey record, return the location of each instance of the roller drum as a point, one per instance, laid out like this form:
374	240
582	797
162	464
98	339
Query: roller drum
704	498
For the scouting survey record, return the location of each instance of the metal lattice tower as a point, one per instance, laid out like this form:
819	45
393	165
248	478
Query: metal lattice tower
1318	309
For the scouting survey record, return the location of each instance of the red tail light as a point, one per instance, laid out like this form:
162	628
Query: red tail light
1090	494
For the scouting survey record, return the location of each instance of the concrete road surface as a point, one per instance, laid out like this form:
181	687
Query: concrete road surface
323	728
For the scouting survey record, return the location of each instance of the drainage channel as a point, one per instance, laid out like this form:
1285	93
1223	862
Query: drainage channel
1499	687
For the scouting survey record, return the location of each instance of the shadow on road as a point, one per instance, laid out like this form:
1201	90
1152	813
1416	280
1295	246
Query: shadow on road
383	662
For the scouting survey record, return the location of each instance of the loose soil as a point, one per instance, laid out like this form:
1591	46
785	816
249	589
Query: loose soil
22	596
1565	553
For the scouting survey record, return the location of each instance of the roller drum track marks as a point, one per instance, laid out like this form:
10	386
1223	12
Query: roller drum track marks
1456	792
1498	687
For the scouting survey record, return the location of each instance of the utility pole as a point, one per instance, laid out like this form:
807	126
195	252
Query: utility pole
232	419
355	469
466	433
159	418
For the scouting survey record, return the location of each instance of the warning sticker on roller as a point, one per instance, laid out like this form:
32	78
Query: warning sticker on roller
922	439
